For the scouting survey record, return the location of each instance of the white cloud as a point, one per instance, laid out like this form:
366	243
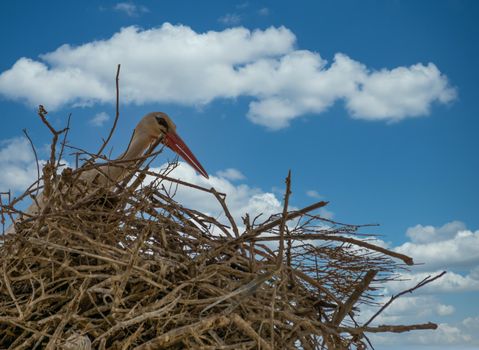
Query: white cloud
17	164
175	64
445	310
305	84
425	234
446	247
99	119
231	174
451	247
36	84
130	8
241	198
230	19
399	93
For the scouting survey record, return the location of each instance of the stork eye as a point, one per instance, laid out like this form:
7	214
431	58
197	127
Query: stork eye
162	122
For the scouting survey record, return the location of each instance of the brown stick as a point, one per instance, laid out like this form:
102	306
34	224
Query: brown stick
283	220
344	309
291	215
117	115
35	154
245	327
388	328
227	212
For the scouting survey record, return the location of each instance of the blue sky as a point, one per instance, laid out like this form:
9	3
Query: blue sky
371	104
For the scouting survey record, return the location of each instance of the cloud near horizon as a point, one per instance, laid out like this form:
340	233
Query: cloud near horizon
175	64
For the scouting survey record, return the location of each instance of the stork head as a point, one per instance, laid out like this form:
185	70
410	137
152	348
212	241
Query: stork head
159	125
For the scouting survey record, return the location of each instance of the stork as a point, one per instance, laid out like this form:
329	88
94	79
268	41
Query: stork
153	127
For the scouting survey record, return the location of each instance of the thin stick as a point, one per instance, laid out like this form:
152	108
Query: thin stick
36	156
344	309
389	328
60	155
283	220
42	114
170	338
425	281
117	115
226	211
291	215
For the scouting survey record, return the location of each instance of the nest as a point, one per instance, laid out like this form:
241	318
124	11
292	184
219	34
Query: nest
128	267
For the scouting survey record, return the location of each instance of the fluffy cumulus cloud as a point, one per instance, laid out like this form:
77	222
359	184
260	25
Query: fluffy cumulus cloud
399	93
451	245
173	63
17	164
421	234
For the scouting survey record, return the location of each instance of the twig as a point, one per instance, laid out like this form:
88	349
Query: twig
425	281
60	154
344	309
42	114
226	211
36	157
173	336
388	328
283	220
117	115
291	215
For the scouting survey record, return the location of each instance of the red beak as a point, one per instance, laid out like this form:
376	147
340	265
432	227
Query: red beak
173	141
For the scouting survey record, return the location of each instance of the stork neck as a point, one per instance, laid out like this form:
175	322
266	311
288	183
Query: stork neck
138	145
